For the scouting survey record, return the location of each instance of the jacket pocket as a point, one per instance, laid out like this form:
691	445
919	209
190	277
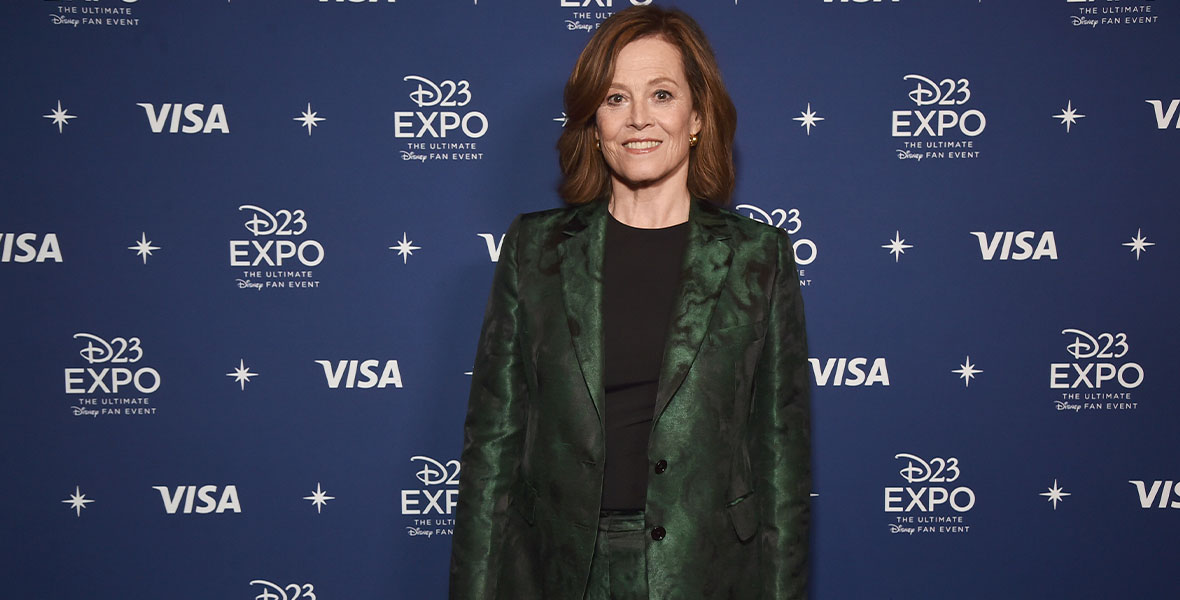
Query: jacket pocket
524	500
743	513
740	334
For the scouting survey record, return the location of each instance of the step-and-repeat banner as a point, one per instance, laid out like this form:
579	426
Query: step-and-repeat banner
245	247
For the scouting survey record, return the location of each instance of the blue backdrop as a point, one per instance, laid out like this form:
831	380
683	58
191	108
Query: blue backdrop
245	248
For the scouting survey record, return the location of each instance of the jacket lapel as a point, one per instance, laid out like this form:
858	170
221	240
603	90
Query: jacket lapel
706	264
581	252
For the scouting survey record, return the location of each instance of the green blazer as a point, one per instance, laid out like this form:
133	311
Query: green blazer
731	426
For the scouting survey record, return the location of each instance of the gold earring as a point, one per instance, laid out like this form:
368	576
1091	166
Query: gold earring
597	146
692	141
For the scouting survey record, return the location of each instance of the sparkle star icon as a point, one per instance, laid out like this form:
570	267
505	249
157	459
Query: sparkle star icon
808	119
319	498
1069	115
562	119
143	247
967	371
404	248
77	501
897	246
309	119
1139	243
241	374
60	116
1056	494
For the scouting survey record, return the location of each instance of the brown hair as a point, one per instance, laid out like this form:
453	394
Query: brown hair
585	174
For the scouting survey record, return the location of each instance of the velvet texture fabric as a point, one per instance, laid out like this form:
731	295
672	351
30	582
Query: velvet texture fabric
728	498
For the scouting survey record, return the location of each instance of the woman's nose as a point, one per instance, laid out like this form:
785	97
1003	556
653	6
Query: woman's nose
639	116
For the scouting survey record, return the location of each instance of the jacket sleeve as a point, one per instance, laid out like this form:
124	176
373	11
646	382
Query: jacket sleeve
781	434
492	436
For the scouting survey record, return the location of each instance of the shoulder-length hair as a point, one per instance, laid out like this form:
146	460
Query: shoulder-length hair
585	174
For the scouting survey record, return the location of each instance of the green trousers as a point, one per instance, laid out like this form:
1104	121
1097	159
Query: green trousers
618	570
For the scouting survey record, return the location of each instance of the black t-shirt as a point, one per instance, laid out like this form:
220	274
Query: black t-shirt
641	276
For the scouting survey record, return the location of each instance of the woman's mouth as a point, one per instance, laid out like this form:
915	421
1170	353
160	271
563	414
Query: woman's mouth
642	144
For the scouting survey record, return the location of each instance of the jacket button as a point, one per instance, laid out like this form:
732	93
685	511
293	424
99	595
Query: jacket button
661	466
658	533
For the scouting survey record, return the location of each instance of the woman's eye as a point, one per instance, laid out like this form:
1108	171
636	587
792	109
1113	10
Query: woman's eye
663	95
614	99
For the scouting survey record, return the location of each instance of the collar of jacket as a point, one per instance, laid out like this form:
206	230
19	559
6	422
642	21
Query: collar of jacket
704	268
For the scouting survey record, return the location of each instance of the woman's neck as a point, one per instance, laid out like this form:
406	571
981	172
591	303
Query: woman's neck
649	207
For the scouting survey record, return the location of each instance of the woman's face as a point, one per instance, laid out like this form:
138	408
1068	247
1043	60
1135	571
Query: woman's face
645	121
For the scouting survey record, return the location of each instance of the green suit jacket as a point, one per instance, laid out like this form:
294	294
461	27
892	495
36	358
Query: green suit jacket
731	419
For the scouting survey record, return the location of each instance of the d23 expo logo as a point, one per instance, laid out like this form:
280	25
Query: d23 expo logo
112	14
1099	377
588	15
442	129
939	126
113	383
291	591
791	221
930	502
276	257
432	504
1091	14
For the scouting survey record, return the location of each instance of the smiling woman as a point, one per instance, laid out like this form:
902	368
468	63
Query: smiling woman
647	124
686	58
638	423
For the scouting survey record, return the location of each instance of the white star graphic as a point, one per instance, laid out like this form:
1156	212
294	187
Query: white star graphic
241	374
966	371
1069	115
404	248
1056	494
77	501
1139	243
60	116
808	119
562	119
143	247
309	119
319	498
897	246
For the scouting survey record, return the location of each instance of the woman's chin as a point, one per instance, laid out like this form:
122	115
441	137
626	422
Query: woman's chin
642	181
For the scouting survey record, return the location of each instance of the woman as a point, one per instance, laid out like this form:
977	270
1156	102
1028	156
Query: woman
638	424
